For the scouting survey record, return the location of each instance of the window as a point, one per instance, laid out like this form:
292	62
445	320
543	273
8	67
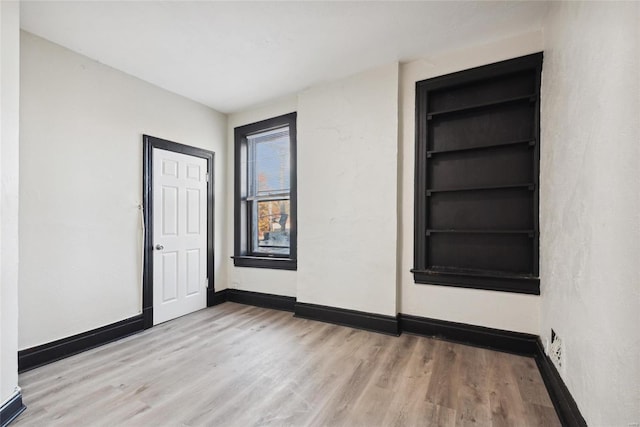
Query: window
477	167
265	194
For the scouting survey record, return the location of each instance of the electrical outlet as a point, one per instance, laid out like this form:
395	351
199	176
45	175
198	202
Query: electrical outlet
556	351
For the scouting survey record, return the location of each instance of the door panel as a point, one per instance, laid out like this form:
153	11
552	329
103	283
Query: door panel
193	269
169	276
193	211
169	211
180	234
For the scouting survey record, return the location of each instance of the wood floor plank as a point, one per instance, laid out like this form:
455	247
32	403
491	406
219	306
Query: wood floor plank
444	382
472	402
237	365
530	383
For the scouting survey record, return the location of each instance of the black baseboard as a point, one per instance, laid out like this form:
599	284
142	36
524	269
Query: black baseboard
215	298
147	317
565	405
46	353
260	299
506	341
354	319
10	410
479	336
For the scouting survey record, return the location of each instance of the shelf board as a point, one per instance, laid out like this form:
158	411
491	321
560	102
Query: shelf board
479	279
505	101
530	142
474	272
529	186
530	233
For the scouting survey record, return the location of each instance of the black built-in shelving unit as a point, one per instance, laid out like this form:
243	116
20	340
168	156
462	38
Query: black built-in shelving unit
477	169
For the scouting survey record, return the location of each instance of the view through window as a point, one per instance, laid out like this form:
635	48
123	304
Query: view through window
269	167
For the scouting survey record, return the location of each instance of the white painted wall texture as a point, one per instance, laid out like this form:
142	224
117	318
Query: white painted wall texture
81	183
590	204
347	181
502	310
347	185
9	109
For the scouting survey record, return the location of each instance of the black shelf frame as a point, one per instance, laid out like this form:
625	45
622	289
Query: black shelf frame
479	279
506	281
529	141
529	186
529	233
484	105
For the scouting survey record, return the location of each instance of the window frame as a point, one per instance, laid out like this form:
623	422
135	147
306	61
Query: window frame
244	255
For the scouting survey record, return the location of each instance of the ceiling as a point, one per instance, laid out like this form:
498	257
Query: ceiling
233	55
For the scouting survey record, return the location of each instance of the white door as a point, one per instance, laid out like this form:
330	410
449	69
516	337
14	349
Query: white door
179	234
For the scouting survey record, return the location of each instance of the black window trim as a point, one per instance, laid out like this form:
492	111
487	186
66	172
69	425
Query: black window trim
241	234
422	275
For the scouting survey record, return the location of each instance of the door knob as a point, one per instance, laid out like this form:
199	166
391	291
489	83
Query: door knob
159	247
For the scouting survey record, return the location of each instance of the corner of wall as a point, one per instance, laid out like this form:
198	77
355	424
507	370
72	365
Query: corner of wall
590	199
348	150
81	127
9	175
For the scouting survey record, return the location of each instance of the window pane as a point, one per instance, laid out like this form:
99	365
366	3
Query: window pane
272	227
269	162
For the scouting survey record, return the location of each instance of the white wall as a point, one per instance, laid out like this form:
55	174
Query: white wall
9	102
347	184
502	310
278	282
347	180
590	204
81	177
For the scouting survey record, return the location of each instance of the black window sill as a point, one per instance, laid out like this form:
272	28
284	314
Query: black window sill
522	284
265	262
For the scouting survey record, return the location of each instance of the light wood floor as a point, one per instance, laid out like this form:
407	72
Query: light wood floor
237	365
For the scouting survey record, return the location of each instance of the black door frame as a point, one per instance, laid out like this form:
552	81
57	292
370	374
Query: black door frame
148	144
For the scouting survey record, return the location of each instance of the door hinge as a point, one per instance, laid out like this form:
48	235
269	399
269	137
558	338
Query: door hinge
207	177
